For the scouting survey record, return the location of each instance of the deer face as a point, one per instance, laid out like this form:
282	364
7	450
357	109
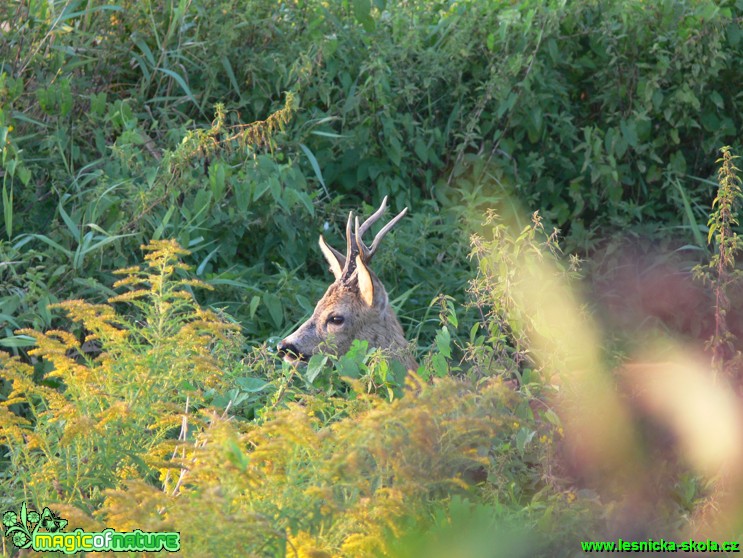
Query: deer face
355	306
340	316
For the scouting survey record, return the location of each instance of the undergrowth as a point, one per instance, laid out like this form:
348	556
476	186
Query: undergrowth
103	398
119	424
145	414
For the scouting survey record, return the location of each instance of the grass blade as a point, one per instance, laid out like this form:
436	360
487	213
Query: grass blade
695	231
182	83
71	225
230	74
315	167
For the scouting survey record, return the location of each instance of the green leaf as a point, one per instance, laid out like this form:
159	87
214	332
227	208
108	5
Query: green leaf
362	13
305	200
8	211
552	417
507	105
52	243
421	150
348	367
315	366
71	225
716	98
695	229
329	134
141	64
24	174
181	82
523	437
443	342
254	302
68	14
452	314
217	175
275	308
395	150
534	125
202	265
144	49
98	103
18	341
103	242
252	385
629	132
241	189
230	74
440	366
157	235
235	454
473	331
261	188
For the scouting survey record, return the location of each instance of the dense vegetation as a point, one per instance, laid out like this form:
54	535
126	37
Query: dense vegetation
166	170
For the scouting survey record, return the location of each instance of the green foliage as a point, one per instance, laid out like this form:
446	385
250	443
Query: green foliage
341	488
511	263
598	114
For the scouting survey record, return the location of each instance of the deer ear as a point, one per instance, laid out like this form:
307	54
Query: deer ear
335	259
366	285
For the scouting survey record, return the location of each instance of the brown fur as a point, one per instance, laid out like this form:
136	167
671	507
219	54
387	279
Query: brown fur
355	306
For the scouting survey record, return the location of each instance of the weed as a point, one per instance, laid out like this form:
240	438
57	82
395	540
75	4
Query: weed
720	273
126	382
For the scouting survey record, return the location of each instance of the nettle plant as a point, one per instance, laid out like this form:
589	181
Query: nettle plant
720	274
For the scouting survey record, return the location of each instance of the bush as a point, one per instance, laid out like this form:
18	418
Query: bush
458	102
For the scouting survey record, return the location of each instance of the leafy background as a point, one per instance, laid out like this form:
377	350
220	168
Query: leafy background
243	129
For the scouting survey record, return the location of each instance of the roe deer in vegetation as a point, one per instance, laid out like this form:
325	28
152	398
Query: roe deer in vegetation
355	306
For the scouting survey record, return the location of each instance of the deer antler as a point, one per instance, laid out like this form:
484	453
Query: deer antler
354	243
366	252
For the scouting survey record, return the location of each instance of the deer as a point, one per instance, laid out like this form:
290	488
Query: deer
355	306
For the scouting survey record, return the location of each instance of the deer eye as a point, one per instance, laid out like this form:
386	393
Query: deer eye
336	320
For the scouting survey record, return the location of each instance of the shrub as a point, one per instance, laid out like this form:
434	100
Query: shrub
108	396
458	102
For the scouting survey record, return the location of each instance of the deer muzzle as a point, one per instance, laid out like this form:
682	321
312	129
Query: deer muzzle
289	351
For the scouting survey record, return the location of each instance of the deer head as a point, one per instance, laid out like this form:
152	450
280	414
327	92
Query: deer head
355	306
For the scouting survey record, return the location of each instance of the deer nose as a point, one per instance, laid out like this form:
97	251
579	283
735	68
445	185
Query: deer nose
284	347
